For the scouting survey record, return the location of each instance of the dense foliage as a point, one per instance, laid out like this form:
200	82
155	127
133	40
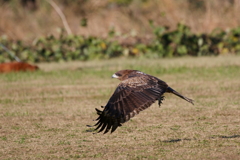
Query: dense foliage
166	43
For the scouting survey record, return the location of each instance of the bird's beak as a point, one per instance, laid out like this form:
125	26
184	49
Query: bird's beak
114	76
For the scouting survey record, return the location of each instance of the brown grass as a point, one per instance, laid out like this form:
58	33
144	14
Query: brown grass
17	22
43	115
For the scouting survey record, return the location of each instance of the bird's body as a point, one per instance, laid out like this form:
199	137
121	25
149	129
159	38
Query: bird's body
136	92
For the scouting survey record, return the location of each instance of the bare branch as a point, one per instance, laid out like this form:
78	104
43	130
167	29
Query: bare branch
62	16
10	53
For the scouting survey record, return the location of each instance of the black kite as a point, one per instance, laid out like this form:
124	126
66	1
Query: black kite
136	92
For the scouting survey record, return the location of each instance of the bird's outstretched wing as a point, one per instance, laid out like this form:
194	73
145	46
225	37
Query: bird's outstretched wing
129	98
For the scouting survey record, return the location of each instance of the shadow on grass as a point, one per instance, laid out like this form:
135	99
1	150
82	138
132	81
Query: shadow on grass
188	139
176	140
220	136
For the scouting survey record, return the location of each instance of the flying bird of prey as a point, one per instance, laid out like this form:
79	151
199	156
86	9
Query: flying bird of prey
136	92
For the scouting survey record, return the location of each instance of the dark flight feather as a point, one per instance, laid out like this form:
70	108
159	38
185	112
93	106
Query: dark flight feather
136	92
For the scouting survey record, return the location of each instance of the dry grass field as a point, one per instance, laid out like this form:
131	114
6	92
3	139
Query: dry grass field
43	114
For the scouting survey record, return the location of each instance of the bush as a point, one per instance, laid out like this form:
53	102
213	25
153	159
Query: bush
179	42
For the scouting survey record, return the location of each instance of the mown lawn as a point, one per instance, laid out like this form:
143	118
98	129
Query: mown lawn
43	115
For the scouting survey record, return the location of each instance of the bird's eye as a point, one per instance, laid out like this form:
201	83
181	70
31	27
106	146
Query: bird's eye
118	74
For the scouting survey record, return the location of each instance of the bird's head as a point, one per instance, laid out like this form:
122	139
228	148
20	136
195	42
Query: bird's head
122	74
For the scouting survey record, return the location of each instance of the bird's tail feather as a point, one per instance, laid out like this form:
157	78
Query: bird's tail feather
170	90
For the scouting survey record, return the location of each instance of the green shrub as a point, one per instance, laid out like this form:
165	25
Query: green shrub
178	42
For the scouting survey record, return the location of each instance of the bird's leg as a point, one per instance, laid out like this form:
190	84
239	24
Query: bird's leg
160	99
